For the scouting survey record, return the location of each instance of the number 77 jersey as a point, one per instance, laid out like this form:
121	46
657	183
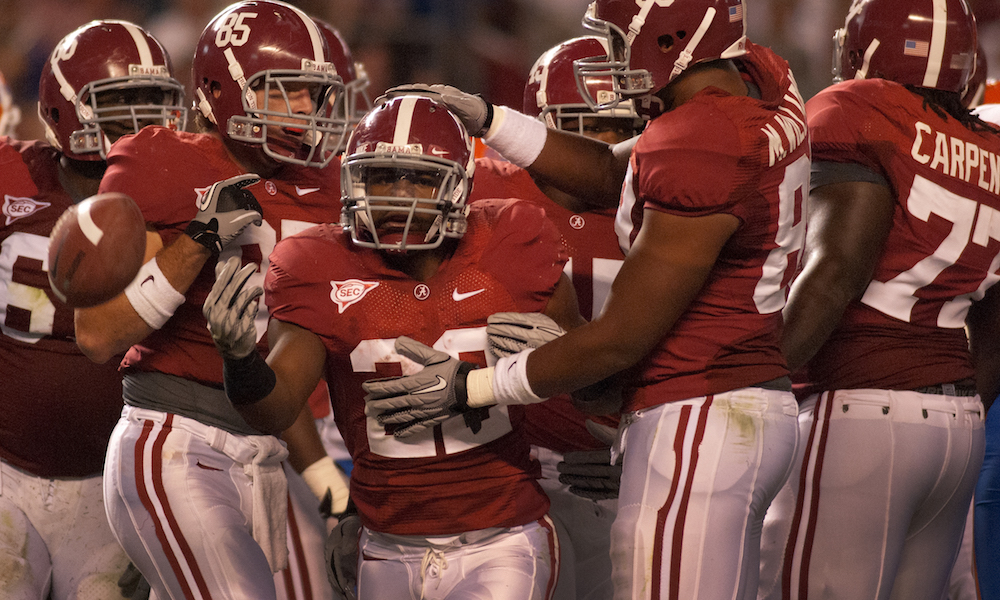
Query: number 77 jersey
943	249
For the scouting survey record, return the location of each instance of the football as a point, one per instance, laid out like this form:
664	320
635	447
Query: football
96	249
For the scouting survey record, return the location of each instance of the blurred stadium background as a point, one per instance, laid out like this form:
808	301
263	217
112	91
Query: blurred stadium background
484	46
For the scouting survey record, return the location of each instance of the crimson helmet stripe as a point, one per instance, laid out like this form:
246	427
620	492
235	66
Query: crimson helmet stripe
938	35
404	120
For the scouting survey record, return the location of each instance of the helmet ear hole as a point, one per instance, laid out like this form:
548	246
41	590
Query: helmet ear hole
55	115
666	42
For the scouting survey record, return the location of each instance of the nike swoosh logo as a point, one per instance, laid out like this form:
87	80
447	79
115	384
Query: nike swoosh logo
303	191
457	297
147	279
437	387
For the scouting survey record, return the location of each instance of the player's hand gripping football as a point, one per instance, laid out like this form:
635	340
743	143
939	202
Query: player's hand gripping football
474	112
590	473
224	212
231	307
414	403
512	332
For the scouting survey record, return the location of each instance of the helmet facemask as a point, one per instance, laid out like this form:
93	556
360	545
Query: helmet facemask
625	82
355	106
284	133
399	202
107	109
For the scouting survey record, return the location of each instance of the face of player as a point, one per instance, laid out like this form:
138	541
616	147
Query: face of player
606	129
403	201
116	109
282	102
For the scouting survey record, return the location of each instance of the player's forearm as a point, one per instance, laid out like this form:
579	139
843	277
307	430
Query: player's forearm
579	359
587	169
305	446
258	394
816	303
561	367
109	329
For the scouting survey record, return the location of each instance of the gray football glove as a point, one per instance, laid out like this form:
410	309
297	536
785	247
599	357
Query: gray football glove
224	212
420	401
512	332
342	556
231	307
590	473
474	112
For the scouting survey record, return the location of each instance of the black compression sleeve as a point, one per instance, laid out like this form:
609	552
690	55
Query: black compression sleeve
248	379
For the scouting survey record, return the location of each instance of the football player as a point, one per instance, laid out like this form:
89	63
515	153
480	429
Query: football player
57	409
556	427
901	257
709	217
10	114
196	495
454	511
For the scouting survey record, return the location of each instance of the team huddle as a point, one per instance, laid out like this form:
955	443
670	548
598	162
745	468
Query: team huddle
669	331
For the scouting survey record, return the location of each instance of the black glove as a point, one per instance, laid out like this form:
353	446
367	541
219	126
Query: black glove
342	556
589	473
224	212
422	400
132	584
474	112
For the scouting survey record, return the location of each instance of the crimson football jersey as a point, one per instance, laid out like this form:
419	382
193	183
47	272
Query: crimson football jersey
57	408
594	259
907	329
166	172
736	155
448	479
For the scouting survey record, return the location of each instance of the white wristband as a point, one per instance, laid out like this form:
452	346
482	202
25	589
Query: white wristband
518	137
479	388
510	380
152	296
324	475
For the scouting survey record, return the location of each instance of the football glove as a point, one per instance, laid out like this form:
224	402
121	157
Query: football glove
590	473
231	307
224	212
414	403
512	332
474	112
341	551
132	584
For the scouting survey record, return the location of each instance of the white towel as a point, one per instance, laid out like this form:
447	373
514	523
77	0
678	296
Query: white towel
270	499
